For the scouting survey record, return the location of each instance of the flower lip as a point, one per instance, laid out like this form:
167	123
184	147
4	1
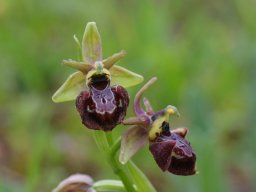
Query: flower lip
173	153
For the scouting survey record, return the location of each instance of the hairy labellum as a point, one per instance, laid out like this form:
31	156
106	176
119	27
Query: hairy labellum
173	153
102	107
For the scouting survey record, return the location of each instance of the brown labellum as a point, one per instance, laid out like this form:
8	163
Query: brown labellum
173	153
102	107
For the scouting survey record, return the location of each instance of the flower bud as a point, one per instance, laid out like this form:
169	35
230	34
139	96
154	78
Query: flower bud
75	183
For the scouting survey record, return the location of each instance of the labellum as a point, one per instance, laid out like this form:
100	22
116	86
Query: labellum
102	107
173	153
169	148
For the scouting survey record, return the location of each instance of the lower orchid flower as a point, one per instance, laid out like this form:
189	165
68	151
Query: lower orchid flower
170	149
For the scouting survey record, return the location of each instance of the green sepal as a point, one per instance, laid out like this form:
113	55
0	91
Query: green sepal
109	186
124	77
91	44
71	88
133	140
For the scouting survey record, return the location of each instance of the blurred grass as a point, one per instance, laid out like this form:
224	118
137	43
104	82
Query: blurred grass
203	53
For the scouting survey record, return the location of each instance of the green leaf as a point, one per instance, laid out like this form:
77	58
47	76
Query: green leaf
109	186
124	77
91	44
110	61
132	141
70	88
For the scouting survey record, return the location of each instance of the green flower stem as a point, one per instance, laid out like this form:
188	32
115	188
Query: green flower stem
141	181
129	173
115	147
104	142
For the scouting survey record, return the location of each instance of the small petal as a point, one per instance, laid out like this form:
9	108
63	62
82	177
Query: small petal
124	77
132	141
75	183
91	44
137	107
149	108
70	88
110	61
81	66
143	121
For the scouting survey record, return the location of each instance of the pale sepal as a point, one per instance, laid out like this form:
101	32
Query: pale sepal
71	88
91	44
133	140
124	77
81	66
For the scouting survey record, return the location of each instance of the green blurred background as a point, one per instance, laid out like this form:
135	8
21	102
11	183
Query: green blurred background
203	53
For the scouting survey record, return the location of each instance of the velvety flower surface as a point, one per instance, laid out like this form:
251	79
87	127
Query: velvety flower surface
173	153
99	86
169	148
102	107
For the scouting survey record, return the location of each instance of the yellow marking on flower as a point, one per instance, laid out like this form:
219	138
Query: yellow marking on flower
156	127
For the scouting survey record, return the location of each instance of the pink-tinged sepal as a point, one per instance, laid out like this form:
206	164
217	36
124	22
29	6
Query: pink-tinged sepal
103	109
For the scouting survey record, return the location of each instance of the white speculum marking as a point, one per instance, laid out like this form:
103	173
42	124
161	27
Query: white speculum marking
103	100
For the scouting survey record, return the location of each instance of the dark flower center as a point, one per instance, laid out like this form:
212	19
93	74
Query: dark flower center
99	82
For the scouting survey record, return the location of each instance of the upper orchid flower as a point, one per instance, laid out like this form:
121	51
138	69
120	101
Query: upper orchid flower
99	85
170	149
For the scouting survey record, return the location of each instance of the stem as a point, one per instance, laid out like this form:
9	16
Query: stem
105	140
115	147
132	177
109	138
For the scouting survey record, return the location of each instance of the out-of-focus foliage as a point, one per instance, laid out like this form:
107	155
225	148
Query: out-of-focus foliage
203	52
